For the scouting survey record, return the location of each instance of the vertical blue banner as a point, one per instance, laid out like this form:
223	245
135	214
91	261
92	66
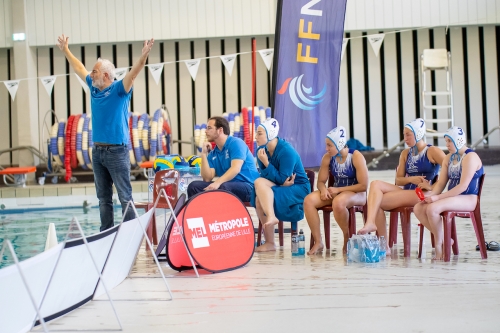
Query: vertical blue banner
307	53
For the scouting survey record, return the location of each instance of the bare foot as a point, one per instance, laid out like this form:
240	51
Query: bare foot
266	247
369	227
439	254
318	247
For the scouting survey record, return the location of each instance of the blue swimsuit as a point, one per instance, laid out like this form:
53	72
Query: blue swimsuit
455	172
420	165
343	173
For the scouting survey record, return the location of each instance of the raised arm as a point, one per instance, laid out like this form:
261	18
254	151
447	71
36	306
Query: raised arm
128	80
78	67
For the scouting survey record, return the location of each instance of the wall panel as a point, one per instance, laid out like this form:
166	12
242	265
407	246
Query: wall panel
491	81
4	108
358	81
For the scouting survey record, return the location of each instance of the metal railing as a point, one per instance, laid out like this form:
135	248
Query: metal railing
483	138
385	154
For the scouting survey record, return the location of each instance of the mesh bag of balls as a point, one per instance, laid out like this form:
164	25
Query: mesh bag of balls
191	164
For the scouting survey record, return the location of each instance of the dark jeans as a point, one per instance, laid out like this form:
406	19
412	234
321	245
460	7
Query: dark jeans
239	189
111	165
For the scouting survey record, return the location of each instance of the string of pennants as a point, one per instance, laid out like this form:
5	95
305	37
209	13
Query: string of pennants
375	40
155	69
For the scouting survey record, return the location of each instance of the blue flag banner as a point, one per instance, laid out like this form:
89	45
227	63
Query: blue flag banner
308	49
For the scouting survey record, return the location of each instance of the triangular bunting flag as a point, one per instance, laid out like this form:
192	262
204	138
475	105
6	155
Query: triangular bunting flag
156	70
120	73
48	83
12	86
376	41
192	66
228	61
344	45
267	56
84	85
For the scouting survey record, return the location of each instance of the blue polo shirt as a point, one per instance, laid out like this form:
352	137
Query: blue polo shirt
109	113
234	149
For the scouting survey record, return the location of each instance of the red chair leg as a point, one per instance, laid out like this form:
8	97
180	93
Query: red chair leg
432	240
447	221
393	229
352	222
326	222
406	231
365	212
478	228
259	234
311	243
281	232
454	247
421	241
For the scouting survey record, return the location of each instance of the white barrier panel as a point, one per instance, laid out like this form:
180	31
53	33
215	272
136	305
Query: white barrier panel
75	277
16	309
123	253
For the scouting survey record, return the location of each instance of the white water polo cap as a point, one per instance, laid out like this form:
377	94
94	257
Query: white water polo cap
418	128
457	136
338	137
272	127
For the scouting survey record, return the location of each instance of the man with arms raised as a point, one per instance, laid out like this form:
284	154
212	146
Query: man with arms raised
231	161
109	100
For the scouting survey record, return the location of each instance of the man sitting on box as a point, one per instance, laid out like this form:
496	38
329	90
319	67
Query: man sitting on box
230	160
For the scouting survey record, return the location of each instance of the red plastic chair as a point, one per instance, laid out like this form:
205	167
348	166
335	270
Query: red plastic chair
171	189
352	217
405	217
281	230
450	228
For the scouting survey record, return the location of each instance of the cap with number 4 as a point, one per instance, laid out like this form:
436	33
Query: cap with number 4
272	127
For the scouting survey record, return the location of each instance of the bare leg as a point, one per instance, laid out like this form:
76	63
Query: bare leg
262	217
375	196
340	206
265	197
311	204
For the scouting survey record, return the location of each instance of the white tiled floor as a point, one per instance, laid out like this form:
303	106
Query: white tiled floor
276	292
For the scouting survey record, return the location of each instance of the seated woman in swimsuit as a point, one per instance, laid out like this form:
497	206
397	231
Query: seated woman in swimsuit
463	168
418	164
283	183
350	173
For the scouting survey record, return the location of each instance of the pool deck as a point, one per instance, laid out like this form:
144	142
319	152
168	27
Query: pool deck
276	292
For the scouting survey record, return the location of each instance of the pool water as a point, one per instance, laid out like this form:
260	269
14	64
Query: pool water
28	231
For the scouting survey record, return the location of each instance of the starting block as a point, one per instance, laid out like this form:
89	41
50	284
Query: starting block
19	175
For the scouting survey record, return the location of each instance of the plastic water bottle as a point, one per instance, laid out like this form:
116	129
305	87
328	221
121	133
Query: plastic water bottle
295	243
302	243
383	247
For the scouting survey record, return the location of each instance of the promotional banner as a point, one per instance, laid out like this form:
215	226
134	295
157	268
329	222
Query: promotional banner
192	66
228	61
218	240
12	87
120	73
48	83
376	41
308	49
156	70
267	56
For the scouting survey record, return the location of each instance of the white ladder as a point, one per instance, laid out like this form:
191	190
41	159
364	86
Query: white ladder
434	60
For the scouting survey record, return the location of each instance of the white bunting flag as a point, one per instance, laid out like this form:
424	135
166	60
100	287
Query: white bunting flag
267	56
84	84
48	83
12	87
344	45
120	73
156	70
376	41
228	61
192	66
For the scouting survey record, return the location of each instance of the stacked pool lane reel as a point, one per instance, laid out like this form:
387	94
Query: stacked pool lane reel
71	142
239	126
